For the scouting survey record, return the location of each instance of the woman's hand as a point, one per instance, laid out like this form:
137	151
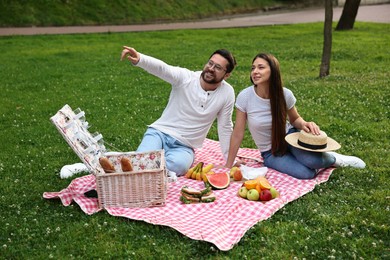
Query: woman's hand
298	122
311	127
236	163
131	54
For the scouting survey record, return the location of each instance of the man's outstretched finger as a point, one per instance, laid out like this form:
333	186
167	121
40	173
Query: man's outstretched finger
124	54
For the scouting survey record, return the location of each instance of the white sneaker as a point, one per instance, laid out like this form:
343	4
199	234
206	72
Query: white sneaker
345	161
69	170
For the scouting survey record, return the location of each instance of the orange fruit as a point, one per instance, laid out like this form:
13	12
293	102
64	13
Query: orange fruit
258	187
263	183
250	184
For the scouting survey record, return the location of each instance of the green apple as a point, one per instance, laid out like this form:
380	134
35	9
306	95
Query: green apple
274	192
253	194
243	191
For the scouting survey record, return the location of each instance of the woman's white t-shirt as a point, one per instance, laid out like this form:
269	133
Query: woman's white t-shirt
259	116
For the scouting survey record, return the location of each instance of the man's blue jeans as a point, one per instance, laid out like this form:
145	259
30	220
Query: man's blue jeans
178	157
298	163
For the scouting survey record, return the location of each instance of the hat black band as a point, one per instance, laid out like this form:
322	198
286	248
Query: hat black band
312	146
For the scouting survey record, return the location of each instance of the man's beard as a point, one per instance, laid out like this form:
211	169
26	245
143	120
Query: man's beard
214	80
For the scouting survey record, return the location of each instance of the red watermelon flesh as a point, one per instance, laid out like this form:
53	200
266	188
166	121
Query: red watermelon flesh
218	181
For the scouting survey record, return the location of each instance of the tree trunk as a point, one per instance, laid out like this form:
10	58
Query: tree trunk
348	15
327	48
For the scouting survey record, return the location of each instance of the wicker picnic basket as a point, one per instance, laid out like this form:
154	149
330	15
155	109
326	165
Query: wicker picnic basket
144	186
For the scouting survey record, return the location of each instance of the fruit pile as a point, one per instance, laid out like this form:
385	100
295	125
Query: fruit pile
258	189
198	172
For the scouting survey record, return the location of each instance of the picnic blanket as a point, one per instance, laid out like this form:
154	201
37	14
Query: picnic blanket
223	222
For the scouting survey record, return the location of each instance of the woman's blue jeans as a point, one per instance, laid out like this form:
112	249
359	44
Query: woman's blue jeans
178	157
298	163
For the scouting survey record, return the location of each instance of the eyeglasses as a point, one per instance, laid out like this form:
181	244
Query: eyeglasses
217	67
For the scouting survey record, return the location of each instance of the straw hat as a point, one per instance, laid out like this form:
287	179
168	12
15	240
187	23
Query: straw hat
310	142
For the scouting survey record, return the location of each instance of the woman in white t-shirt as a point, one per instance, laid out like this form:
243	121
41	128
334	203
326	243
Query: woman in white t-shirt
266	106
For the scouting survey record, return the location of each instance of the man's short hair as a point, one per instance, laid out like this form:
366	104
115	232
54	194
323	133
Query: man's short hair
229	57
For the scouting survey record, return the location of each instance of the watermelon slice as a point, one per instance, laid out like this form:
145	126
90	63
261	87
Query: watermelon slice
218	181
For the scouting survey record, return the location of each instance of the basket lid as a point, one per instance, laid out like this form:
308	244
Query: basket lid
74	128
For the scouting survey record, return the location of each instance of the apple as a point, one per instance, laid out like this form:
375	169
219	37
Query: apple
237	174
243	191
274	192
252	194
235	171
265	195
232	170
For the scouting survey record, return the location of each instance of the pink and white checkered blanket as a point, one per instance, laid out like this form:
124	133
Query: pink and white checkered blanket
223	222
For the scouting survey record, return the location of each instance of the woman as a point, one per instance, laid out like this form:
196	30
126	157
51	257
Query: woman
266	106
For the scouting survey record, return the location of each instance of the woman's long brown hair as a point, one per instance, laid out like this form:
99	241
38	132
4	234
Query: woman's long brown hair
278	105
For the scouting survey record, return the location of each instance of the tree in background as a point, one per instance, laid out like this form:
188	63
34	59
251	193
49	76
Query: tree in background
327	48
348	15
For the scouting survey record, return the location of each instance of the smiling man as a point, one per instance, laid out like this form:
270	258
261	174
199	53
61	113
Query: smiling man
197	98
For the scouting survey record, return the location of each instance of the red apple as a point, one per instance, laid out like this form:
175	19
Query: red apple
265	195
236	173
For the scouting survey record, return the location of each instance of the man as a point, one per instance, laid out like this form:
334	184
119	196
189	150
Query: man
196	100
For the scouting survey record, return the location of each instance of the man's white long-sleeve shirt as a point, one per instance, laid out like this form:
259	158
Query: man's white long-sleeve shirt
191	110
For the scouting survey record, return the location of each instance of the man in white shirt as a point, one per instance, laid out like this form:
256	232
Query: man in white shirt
197	98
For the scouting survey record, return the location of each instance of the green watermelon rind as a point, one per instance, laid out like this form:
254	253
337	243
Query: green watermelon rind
213	178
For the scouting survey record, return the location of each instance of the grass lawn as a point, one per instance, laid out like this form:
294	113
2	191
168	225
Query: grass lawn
106	12
344	218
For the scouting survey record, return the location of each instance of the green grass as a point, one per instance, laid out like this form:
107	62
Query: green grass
344	218
101	12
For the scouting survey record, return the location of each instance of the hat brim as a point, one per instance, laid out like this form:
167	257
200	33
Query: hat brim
332	145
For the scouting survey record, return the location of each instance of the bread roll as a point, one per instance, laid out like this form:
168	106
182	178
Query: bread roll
106	164
126	165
